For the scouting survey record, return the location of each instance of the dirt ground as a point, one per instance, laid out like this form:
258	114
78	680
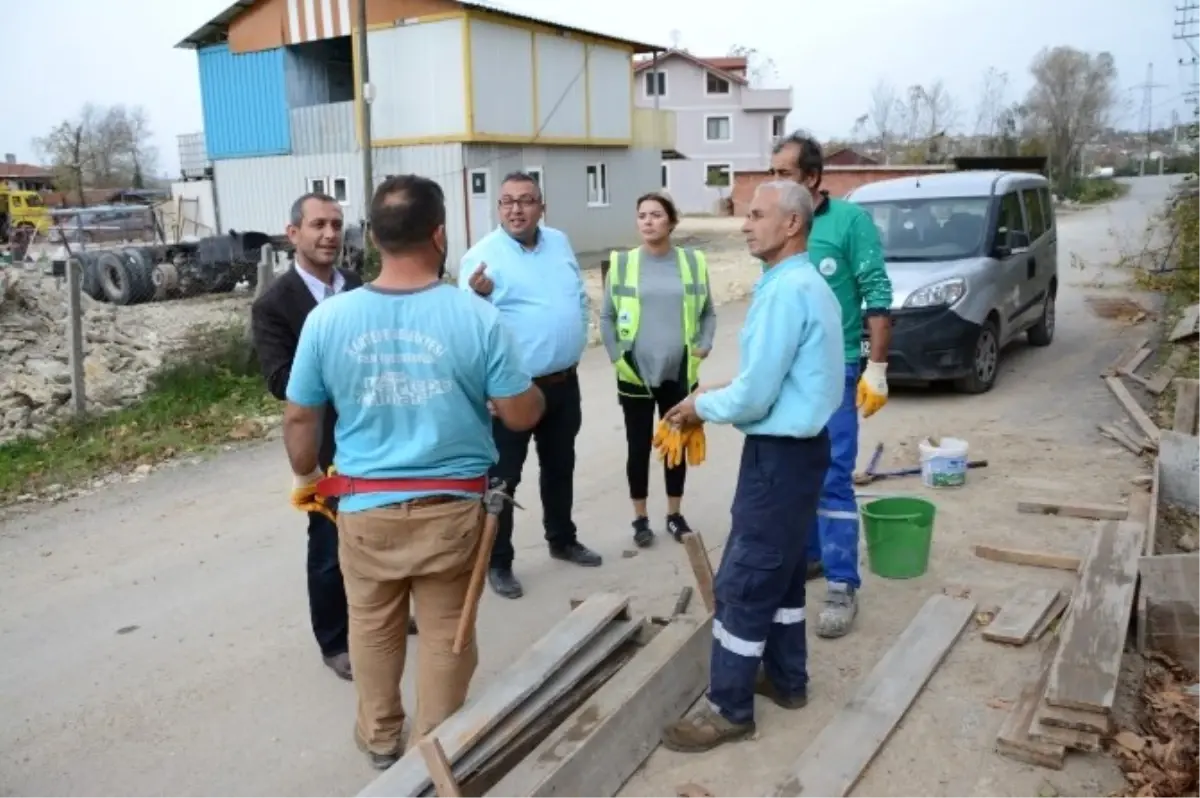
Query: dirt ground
157	642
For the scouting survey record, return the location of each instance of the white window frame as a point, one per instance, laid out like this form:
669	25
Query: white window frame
665	175
602	193
728	118
312	184
333	181
772	135
659	84
728	168
728	85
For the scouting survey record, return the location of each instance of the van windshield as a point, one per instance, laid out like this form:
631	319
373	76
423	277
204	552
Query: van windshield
34	201
935	229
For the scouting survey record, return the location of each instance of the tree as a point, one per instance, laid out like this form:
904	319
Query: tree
992	112
940	111
760	69
1071	100
882	115
104	147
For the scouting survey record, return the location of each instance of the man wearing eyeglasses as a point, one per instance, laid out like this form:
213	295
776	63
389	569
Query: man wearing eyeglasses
529	273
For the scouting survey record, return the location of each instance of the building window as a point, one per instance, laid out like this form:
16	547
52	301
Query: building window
318	185
715	84
718	128
597	185
655	84
666	177
778	123
341	190
718	175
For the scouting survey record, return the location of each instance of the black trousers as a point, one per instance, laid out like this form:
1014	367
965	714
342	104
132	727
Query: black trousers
639	432
554	439
326	591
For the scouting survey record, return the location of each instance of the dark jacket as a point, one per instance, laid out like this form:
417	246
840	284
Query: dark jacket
275	322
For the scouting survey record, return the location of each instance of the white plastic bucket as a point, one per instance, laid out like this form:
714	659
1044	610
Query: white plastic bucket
943	465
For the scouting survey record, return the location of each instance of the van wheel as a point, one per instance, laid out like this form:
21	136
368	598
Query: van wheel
1042	333
984	363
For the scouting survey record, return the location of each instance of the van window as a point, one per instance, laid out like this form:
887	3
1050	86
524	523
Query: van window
929	229
1009	218
1047	206
1037	218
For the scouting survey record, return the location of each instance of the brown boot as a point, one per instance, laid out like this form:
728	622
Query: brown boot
378	761
704	731
765	688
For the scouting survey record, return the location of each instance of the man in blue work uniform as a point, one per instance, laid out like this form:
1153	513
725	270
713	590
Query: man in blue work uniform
529	273
844	248
788	387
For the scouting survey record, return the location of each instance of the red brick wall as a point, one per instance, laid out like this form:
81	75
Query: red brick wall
837	180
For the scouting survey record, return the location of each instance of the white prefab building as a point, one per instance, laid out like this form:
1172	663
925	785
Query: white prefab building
459	92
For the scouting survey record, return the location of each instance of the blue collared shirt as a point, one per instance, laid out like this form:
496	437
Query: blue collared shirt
540	295
792	375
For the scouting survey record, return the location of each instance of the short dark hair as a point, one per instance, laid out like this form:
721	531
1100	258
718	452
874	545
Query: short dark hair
297	215
810	160
664	201
523	177
406	211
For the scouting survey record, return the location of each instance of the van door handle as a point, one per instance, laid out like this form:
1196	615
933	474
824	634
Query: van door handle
1031	268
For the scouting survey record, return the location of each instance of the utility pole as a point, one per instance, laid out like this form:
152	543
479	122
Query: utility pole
367	94
1187	30
1148	110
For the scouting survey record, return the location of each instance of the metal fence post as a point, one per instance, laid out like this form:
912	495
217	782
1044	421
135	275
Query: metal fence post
266	270
75	333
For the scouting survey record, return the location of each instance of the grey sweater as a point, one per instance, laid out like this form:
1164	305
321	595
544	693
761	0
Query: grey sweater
658	350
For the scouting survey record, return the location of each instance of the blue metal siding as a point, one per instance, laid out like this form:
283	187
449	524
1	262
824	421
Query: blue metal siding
245	103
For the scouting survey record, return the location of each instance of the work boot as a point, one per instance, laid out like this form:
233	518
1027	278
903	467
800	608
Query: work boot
340	664
703	731
412	625
377	760
841	606
643	535
577	553
815	571
504	583
677	525
766	688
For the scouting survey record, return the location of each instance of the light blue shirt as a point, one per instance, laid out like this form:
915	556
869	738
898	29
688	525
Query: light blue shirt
792	374
539	293
409	374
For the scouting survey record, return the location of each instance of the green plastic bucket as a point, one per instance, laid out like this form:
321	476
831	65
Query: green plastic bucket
899	532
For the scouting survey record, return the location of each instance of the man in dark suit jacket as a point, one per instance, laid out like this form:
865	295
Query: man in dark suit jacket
315	231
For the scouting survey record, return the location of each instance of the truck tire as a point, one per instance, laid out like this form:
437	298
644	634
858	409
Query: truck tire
142	261
89	276
119	279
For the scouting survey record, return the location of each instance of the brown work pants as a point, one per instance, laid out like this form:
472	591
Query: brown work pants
426	549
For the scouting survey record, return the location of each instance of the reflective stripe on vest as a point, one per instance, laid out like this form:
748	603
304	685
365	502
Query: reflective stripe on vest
623	286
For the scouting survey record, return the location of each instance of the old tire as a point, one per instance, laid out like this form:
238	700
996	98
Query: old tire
89	282
985	361
119	278
142	261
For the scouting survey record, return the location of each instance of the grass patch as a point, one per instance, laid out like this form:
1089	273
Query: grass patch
1089	191
209	394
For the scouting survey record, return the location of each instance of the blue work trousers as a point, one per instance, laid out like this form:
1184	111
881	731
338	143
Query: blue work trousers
760	584
835	545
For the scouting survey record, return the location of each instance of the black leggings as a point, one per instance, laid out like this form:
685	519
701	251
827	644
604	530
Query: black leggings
639	434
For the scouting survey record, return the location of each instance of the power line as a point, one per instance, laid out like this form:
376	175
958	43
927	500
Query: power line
1148	108
1187	30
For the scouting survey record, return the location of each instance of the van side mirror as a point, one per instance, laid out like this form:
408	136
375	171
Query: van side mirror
1009	242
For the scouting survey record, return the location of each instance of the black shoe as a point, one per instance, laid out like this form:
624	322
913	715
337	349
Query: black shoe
677	525
412	625
764	687
643	535
815	571
340	664
576	553
504	583
378	761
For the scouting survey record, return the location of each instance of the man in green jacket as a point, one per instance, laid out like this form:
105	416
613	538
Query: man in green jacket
844	247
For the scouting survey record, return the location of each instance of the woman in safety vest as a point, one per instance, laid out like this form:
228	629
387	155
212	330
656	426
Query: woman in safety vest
657	325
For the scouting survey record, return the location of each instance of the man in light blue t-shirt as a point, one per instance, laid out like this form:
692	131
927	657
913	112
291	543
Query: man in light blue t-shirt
411	365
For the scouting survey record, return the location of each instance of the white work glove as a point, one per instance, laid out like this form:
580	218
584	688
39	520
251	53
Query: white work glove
872	388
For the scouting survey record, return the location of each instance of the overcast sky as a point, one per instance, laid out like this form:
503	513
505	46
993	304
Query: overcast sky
69	52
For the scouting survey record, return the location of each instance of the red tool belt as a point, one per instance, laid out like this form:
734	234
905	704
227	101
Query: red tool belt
341	485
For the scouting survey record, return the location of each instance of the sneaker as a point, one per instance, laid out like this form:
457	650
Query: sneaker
704	731
841	607
677	525
576	553
814	570
504	583
643	535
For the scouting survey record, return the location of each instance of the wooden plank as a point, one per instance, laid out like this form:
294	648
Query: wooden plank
597	749
1021	616
1057	735
1126	355
1085	670
1162	377
1081	720
463	729
1187	405
1135	411
701	568
1115	433
1096	512
439	769
1149	547
1133	435
1187	324
1013	740
1134	362
1056	609
561	682
833	763
1041	559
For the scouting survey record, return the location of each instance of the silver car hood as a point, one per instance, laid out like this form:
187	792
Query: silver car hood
908	277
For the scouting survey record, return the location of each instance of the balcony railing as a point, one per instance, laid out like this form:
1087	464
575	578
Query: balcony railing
767	99
653	129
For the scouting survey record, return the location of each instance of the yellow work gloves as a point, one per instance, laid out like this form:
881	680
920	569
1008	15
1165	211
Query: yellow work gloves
872	389
675	444
305	497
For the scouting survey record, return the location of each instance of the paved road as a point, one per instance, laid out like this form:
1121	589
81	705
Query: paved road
155	637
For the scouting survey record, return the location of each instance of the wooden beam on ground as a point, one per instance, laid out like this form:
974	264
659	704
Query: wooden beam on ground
1163	375
1013	740
1187	405
1117	434
701	567
1135	411
1149	547
1088	663
1057	735
1021	616
597	749
1040	559
439	769
465	728
1078	719
833	763
1126	355
1096	512
1056	610
1187	324
1134	362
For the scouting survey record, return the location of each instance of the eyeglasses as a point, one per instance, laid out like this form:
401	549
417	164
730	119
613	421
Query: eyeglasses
524	202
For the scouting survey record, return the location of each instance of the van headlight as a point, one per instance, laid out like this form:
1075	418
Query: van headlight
944	293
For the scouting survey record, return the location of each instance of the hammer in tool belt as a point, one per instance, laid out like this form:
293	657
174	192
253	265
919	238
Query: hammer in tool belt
493	502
